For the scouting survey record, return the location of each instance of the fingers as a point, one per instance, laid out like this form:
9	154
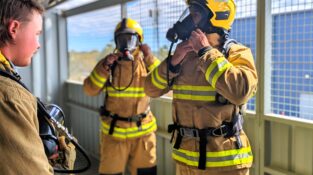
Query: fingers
62	142
181	50
185	46
111	58
145	49
198	40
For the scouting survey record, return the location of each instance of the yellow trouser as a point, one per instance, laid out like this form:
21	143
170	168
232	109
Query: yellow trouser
135	153
188	170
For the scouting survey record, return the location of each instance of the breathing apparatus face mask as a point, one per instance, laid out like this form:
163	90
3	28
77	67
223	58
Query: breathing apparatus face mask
126	43
195	16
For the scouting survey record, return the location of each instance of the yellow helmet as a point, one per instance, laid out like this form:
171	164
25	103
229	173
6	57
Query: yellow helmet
223	11
128	25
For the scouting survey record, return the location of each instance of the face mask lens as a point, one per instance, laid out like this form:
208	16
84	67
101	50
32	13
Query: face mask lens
199	14
126	42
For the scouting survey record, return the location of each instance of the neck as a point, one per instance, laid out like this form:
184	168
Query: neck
7	53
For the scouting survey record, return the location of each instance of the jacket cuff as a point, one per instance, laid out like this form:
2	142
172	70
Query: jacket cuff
99	74
214	64
202	51
152	63
175	69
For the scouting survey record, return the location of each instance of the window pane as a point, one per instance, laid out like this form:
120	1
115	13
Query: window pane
292	58
90	38
244	30
156	17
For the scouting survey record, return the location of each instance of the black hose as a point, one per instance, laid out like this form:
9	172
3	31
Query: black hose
126	87
168	61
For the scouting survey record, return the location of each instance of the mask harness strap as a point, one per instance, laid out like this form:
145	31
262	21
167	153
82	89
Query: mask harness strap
55	124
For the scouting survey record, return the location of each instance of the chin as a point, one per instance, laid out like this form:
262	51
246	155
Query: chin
23	64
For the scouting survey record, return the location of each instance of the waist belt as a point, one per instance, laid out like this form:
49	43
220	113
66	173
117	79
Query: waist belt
136	118
227	129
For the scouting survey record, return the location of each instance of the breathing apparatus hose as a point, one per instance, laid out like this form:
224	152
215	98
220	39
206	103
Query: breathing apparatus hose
168	61
112	75
63	130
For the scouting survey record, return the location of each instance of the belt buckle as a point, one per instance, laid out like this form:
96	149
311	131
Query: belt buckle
219	129
189	132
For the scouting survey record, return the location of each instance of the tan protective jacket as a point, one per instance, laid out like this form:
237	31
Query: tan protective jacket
194	91
22	151
129	102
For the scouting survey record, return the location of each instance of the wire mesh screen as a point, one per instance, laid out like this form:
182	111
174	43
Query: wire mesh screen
144	12
169	12
156	17
292	58
244	30
90	38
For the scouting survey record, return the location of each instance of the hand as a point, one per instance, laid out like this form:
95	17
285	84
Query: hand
181	50
110	59
69	153
146	50
198	40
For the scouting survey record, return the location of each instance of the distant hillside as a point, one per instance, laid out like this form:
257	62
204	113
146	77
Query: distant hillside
82	63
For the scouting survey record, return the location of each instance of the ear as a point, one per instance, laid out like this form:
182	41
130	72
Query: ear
14	25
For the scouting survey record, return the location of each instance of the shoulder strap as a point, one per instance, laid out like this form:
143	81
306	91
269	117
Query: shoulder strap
41	106
12	77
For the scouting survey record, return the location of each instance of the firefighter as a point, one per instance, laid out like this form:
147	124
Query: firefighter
22	150
212	77
127	126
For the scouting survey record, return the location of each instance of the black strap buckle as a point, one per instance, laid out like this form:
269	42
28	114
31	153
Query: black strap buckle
220	131
171	127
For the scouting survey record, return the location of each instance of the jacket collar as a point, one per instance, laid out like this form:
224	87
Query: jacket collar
7	66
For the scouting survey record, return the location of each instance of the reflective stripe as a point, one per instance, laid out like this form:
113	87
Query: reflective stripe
215	159
95	82
215	70
125	133
96	79
196	93
129	92
154	65
158	81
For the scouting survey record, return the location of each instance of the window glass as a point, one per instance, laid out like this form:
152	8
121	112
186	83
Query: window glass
292	58
90	38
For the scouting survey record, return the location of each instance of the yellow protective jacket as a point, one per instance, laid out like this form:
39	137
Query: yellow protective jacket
22	151
129	102
194	105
